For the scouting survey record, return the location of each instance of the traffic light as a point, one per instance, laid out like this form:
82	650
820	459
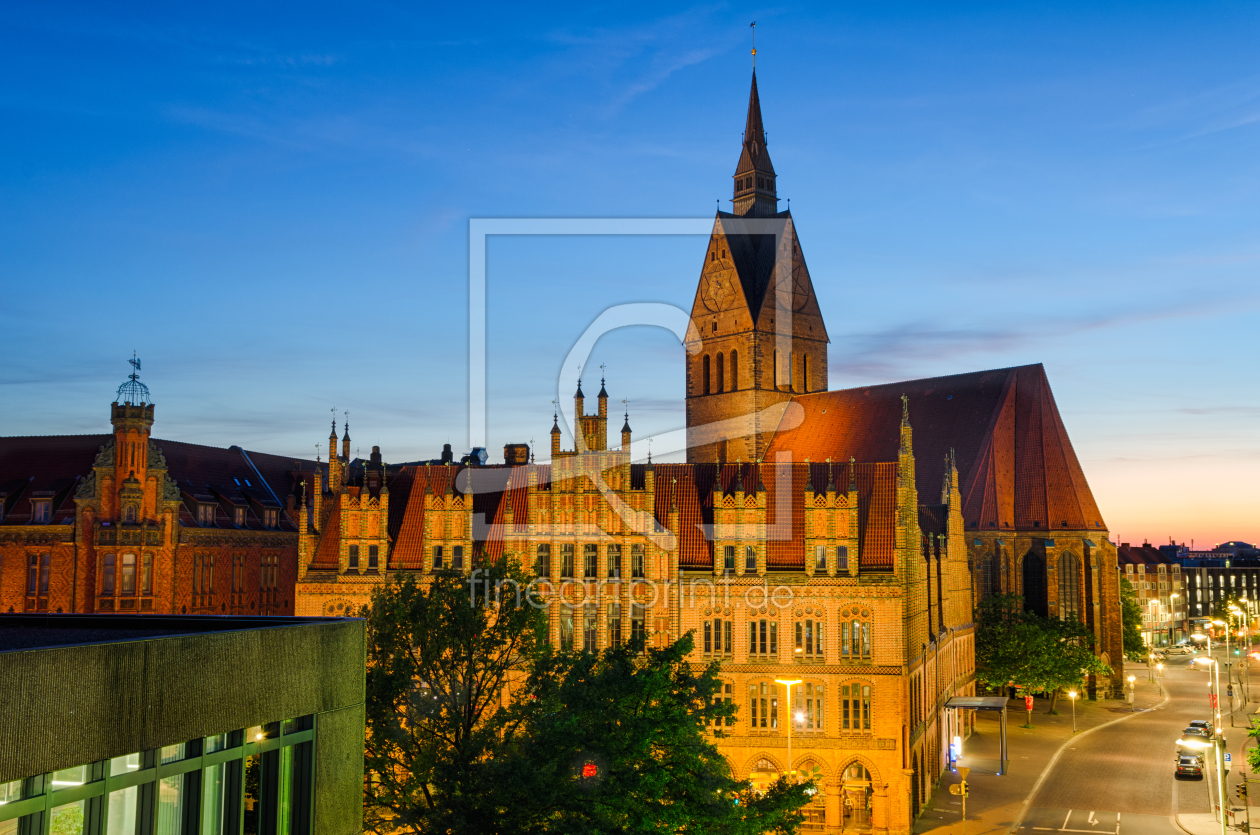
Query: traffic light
1242	791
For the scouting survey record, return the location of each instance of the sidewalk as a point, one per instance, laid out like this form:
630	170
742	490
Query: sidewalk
995	802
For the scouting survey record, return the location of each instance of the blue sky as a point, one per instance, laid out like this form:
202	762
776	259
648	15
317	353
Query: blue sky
271	206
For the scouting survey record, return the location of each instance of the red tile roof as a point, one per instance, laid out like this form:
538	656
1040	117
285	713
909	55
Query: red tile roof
44	464
1016	465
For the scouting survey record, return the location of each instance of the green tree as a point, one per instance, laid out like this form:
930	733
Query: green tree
1036	654
618	744
475	726
1131	622
440	660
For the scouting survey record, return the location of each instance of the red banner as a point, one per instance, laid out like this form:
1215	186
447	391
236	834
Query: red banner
1029	699
1212	698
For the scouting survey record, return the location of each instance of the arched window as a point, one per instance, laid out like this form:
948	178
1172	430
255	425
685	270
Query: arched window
721	374
734	370
855	639
805	373
855	706
986	576
128	574
763	705
1070	586
1035	583
807	707
706	374
107	577
129	515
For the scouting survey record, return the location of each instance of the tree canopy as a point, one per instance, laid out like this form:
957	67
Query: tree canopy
1034	653
475	725
1131	622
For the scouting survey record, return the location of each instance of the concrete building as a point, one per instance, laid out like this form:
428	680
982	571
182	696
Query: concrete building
1159	582
156	725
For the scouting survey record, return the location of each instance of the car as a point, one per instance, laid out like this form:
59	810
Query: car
1203	724
1179	650
1189	765
1195	733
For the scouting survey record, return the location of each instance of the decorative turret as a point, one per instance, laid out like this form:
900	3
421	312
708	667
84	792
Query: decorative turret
334	462
345	441
131	415
602	397
555	437
625	434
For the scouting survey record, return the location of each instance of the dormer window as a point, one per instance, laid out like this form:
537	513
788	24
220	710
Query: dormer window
238	517
205	515
270	517
41	512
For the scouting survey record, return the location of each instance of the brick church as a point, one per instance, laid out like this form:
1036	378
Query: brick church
837	540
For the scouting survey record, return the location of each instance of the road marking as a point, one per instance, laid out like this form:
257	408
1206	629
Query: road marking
1063	828
1091	819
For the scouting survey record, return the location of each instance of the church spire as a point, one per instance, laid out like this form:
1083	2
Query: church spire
754	175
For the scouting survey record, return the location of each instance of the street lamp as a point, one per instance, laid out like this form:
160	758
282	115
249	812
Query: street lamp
1159	669
1172	605
788	682
1132	693
1072	696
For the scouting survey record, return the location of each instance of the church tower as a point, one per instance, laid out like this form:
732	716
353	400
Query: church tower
757	334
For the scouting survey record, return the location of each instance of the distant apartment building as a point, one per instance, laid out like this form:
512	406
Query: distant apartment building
1161	590
1230	571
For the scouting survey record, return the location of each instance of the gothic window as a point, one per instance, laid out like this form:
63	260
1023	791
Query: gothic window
457	557
727	692
820	558
855	706
638	622
842	558
763	705
855	639
763	638
809	640
614	562
590	627
734	370
107	577
129	516
614	624
566	627
128	574
1070	586
1035	583
566	561
438	556
590	561
728	559
636	561
705	374
808	706
750	558
721	374
717	637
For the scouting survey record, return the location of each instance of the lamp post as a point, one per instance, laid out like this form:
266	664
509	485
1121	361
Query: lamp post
1159	669
1072	696
1201	744
1172	630
1214	682
1150	667
788	682
1132	693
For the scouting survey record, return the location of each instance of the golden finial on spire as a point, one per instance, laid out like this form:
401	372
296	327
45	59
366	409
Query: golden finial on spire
754	41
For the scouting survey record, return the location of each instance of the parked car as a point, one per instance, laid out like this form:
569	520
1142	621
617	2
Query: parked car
1189	765
1179	650
1208	727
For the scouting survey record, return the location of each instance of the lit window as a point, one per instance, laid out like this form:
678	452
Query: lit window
717	637
205	514
42	512
750	558
855	707
763	637
809	640
238	517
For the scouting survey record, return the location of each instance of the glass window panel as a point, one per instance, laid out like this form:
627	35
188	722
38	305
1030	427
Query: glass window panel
124	764
68	777
68	819
284	792
218	742
252	767
171	799
9	827
174	753
213	788
123	805
10	792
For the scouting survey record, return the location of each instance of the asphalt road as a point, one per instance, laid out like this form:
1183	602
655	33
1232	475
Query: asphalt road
1119	779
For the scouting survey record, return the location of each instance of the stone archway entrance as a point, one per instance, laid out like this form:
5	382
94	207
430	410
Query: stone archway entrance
763	774
855	797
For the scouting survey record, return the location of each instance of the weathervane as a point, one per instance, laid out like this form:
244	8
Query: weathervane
754	41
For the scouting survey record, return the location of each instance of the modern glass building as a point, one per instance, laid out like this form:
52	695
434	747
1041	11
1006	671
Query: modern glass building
155	725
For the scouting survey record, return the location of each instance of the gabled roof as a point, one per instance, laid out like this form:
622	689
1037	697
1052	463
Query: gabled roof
1016	465
43	464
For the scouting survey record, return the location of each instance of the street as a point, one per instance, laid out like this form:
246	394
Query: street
1119	779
